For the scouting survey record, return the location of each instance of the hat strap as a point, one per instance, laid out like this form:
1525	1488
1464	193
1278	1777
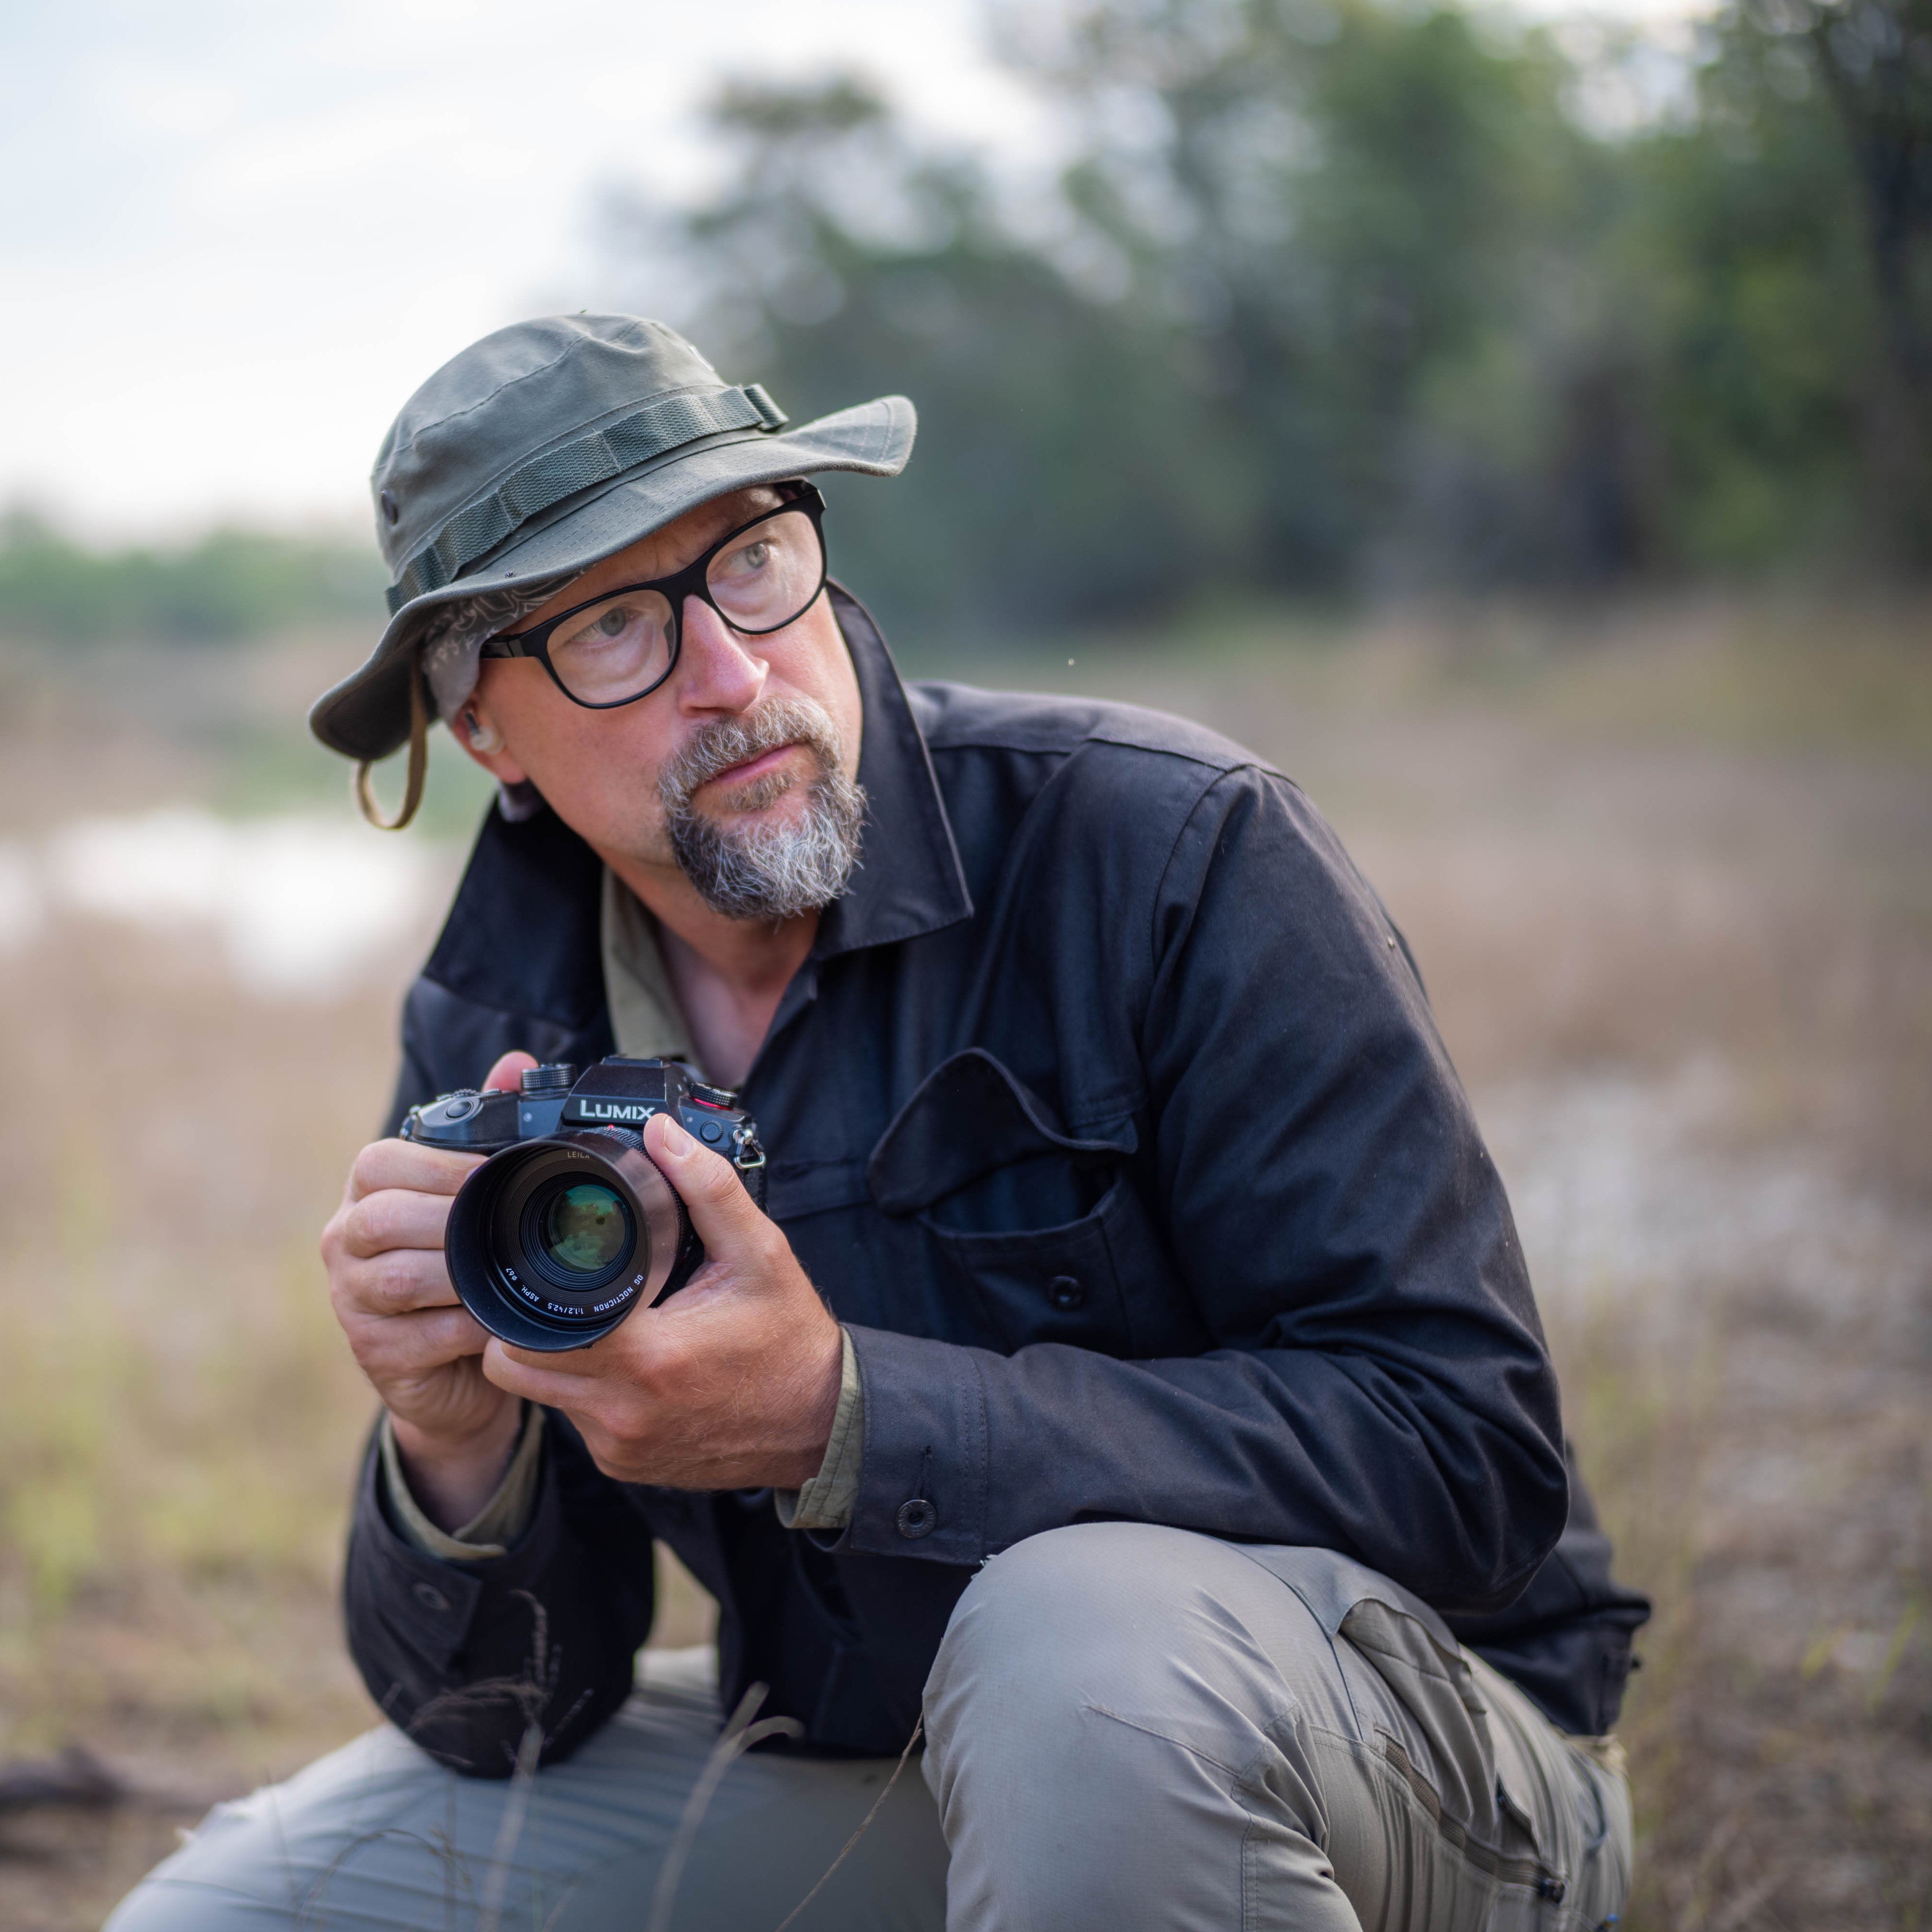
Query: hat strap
419	767
667	424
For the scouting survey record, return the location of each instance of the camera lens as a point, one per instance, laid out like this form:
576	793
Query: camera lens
565	1226
585	1227
551	1242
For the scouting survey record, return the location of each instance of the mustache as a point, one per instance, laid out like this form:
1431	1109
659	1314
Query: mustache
769	873
725	741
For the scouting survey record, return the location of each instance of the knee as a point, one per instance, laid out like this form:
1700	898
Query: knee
1126	1618
206	1886
1107	1693
285	1856
1064	1602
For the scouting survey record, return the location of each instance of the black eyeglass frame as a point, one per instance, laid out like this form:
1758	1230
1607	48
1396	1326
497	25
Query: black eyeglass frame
688	582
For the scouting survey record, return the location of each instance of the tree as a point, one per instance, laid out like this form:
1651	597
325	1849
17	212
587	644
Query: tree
1333	293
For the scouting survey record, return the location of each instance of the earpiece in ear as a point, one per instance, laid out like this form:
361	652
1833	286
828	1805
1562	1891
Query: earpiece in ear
482	737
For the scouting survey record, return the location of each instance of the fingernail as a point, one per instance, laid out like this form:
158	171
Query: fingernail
675	1140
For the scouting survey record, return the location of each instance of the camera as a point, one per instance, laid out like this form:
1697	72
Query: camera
569	1225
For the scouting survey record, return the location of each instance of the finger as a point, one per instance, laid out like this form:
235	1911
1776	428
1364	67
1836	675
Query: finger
395	1217
507	1075
723	1213
535	1377
580	1364
415	1345
406	1164
395	1283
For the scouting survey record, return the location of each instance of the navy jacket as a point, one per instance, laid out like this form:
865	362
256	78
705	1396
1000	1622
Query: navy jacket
1109	1115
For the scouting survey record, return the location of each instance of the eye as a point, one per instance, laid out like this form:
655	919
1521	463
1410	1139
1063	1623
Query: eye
749	559
604	627
617	650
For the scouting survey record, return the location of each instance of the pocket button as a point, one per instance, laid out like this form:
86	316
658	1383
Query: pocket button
917	1518
429	1596
1066	1294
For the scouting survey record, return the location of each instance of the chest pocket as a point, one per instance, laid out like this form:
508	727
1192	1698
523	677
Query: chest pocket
1040	1227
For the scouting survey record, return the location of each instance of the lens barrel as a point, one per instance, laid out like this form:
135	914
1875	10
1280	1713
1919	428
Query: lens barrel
552	1242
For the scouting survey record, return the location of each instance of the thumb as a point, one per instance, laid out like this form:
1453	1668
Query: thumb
722	1212
506	1076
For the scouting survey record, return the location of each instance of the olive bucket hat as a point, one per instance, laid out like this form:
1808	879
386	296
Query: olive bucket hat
541	450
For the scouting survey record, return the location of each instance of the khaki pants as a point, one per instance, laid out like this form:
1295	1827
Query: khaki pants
1128	1727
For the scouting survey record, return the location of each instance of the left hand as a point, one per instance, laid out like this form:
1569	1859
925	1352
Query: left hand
731	1383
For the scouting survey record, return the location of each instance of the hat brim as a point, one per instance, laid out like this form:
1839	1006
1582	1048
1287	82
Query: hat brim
367	715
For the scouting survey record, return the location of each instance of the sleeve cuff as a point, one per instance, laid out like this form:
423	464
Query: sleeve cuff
496	1526
924	1486
826	1501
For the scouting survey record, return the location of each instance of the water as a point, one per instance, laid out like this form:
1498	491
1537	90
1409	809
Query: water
1620	1184
299	906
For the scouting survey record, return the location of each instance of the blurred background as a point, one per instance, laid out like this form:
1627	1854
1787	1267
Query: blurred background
1517	424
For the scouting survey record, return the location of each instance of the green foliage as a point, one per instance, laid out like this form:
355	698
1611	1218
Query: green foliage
1323	294
1748	266
850	264
230	585
1337	292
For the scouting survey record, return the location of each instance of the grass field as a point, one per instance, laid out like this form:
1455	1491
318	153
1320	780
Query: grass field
1668	871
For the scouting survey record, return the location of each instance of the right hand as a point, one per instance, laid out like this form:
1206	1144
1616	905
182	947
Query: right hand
420	1347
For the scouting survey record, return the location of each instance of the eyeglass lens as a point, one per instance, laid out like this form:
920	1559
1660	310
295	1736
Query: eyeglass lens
760	581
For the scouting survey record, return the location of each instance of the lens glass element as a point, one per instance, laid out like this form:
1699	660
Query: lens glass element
584	1228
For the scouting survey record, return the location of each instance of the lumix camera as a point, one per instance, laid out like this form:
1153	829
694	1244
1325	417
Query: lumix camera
569	1225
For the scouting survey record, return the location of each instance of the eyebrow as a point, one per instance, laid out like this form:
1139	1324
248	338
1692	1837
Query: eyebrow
747	502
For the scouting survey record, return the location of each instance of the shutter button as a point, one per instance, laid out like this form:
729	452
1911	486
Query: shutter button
1066	1294
429	1596
917	1518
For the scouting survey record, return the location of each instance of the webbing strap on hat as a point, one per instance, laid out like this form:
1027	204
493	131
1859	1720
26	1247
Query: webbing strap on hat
418	766
604	454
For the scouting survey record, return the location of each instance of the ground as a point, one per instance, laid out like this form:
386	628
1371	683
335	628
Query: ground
1668	871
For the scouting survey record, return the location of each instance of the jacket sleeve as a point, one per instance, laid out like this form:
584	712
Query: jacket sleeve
1376	1381
466	1657
1566	1641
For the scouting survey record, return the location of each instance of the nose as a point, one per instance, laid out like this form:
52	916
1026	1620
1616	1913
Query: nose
715	671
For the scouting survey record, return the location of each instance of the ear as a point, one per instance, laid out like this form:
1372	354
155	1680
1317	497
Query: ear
477	733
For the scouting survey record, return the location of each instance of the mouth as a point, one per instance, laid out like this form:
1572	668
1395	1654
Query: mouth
763	766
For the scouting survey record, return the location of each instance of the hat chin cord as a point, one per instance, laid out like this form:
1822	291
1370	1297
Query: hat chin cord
419	767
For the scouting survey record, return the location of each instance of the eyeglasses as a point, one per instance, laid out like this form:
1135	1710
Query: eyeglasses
616	649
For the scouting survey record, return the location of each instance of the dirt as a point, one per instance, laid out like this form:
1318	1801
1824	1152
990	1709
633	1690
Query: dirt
1687	972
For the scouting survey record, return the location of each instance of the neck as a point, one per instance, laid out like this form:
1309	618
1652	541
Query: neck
729	974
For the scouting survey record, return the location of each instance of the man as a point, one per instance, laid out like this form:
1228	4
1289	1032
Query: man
1136	1380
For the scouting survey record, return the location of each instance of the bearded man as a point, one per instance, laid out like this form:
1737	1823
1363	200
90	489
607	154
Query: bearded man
1133	1395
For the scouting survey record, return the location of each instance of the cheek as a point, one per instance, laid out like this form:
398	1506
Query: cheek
597	770
555	740
812	661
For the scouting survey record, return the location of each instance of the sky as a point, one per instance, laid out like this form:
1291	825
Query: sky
234	236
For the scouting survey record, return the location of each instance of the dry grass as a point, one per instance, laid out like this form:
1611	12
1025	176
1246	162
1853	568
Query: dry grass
1622	845
1626	847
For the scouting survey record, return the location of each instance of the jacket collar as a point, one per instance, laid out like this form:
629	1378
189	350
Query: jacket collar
910	880
522	936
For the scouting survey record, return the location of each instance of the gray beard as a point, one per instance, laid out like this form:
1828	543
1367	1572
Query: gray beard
774	872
